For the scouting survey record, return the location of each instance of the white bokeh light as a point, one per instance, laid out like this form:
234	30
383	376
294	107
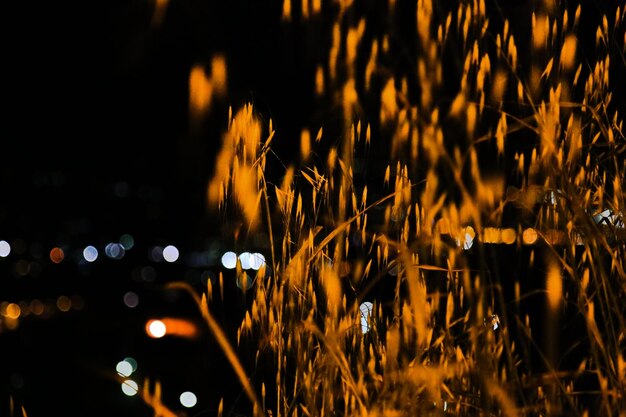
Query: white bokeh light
5	248
124	368
188	399
131	299
170	253
257	260
245	259
229	260
156	328
114	250
130	387
366	312
90	253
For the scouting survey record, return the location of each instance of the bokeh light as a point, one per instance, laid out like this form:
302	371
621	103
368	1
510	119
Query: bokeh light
257	260
170	253
188	399
244	258
90	253
156	254
5	249
127	241
57	255
13	311
124	368
229	260
156	329
366	312
64	303
508	236
114	250
131	299
130	387
132	362
529	236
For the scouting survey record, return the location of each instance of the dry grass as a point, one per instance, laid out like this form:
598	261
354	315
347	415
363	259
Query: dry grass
479	123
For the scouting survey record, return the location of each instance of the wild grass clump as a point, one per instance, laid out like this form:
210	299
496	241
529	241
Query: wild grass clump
489	137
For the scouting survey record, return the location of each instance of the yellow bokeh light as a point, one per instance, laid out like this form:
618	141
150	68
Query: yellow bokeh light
529	236
13	311
554	286
508	236
64	303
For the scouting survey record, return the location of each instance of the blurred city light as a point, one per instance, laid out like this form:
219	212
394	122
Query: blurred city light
114	250
188	399
132	362
130	387
529	236
229	260
170	253
171	327
64	303
156	254
127	241
156	328
90	253
124	368
244	258
5	249
366	312
57	255
257	260
131	300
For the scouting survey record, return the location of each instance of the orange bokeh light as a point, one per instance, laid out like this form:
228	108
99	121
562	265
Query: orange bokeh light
168	326
57	255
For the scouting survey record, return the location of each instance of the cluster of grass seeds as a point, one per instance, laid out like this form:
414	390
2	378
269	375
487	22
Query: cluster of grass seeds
472	119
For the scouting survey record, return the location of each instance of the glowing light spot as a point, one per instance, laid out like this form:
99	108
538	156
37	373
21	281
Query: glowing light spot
13	311
132	362
219	74
64	303
124	368
130	387
156	329
200	91
529	236
244	258
36	307
229	260
188	399
90	253
5	249
257	260
554	286
156	254
366	313
170	253
127	241
57	255
508	236
131	300
114	250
